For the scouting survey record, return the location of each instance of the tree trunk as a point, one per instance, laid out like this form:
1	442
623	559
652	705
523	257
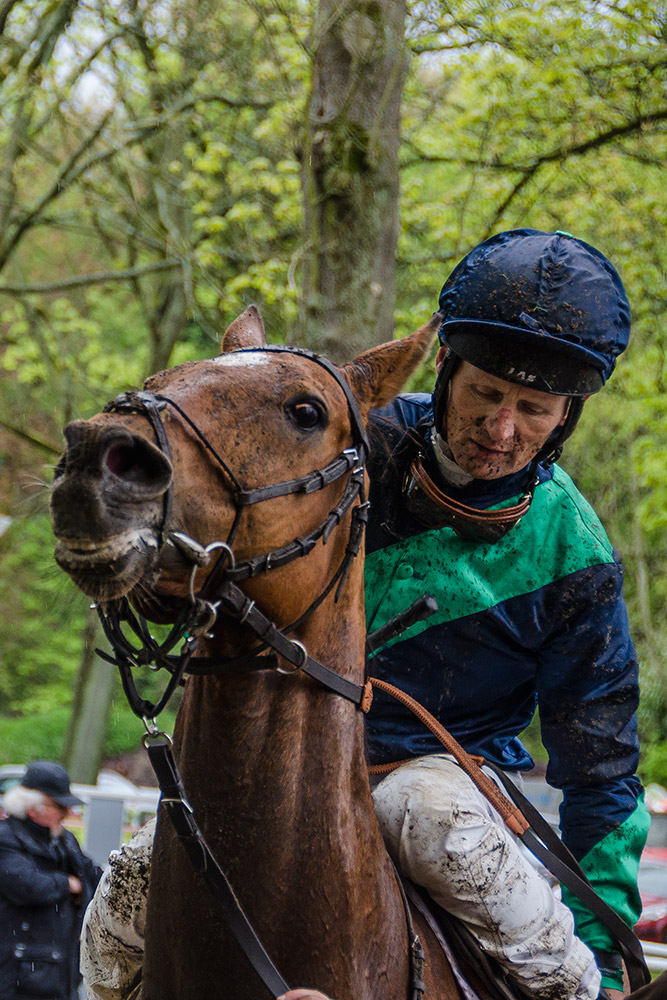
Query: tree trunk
89	722
350	175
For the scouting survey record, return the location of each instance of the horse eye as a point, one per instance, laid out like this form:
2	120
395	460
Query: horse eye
306	415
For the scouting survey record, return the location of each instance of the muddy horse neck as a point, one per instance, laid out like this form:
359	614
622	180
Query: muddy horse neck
274	767
269	725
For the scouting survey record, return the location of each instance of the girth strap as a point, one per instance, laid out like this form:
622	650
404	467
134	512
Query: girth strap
181	815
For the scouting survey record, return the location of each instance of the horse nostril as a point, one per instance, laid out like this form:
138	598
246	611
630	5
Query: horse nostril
136	463
122	460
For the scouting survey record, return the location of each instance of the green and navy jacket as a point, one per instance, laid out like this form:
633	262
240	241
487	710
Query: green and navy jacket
535	620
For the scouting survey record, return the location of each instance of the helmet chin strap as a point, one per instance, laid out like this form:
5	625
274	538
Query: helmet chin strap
550	452
441	389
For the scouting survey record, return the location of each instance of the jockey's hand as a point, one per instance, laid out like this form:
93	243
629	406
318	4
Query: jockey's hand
303	995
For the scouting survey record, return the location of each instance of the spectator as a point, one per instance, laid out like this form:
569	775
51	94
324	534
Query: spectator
46	882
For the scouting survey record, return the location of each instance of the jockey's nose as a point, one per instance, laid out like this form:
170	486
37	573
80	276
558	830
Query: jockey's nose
500	425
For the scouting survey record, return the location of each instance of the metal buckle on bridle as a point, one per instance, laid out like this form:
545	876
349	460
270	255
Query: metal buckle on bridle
295	667
247	608
153	732
204	560
201	627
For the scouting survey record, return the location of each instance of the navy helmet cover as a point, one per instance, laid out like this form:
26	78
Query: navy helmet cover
543	309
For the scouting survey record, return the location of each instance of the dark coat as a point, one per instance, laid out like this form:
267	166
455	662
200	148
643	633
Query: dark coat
40	920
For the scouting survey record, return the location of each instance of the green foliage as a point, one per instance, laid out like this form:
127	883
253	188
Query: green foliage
126	730
41	621
38	735
63	357
654	763
172	153
532	740
33	736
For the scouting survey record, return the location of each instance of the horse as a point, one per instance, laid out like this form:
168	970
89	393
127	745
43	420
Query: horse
171	495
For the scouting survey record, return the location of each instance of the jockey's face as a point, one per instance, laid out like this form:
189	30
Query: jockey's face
495	428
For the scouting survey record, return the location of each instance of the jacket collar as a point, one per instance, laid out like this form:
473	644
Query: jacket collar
34	838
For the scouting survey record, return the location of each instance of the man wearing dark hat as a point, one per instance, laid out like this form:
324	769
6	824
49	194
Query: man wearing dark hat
468	505
46	882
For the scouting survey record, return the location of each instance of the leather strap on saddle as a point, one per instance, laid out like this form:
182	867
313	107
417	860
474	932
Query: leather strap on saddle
512	816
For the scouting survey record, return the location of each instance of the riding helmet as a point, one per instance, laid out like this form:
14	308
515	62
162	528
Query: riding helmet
544	310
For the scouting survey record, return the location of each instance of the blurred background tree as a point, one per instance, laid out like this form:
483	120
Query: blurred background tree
166	163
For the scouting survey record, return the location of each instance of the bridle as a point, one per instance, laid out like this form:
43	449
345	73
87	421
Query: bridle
220	591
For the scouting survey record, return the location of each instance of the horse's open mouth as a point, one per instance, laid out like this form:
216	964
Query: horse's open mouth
109	569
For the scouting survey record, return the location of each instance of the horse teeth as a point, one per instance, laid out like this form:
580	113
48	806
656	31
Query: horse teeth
86	551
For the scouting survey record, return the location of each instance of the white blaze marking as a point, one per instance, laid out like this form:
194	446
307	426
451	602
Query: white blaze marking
242	360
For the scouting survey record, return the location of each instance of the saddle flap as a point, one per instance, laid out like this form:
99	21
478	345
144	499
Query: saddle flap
478	976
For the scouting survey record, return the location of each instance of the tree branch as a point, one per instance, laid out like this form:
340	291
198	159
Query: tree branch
514	193
5	11
32	438
90	279
617	132
49	30
56	188
555	155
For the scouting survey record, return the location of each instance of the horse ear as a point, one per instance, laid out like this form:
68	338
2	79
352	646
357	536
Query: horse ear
377	375
247	330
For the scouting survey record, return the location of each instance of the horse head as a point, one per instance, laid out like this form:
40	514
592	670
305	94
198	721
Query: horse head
147	489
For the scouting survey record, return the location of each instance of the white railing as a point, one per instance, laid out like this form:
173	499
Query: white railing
655	955
108	812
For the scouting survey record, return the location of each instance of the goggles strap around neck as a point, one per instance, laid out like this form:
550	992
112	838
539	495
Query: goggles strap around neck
430	505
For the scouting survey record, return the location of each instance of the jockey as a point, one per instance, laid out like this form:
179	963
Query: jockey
531	613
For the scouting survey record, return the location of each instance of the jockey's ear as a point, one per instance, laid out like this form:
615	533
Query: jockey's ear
247	330
377	375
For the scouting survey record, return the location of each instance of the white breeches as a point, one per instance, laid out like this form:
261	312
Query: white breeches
445	836
112	937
